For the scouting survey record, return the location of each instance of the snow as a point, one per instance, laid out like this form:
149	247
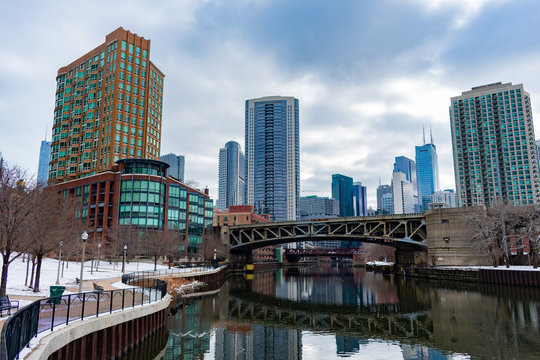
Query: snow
49	269
500	267
380	263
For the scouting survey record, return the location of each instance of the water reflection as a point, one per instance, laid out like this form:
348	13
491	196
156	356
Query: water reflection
335	313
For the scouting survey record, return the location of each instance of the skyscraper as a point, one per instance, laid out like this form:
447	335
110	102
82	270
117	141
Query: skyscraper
359	199
342	191
402	193
381	190
43	166
273	156
108	107
493	143
176	163
231	182
427	172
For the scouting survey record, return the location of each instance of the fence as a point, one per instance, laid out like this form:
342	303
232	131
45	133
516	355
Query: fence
128	278
46	314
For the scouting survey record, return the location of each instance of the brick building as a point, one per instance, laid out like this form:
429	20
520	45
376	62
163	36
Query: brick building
243	215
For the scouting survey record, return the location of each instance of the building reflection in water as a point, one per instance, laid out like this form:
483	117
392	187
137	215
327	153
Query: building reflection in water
259	342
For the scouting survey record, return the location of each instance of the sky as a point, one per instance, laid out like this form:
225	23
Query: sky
368	74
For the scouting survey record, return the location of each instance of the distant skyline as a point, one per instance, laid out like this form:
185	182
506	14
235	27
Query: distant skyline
368	75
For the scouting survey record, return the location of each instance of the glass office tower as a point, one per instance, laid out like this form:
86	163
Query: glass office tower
427	174
43	166
342	191
273	157
231	177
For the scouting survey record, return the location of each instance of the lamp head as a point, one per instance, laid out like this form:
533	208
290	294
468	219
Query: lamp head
84	236
125	247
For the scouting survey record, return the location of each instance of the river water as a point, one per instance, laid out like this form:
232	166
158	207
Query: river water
330	312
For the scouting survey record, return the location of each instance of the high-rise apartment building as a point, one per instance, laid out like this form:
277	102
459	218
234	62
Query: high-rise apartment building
360	199
176	163
381	190
427	173
494	146
108	107
231	181
273	156
43	165
402	194
342	191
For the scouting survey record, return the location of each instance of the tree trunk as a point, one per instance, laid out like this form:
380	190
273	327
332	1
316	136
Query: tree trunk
27	270
3	283
38	272
155	263
31	285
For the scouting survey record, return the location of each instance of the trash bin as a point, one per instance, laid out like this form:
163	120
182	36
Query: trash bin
56	291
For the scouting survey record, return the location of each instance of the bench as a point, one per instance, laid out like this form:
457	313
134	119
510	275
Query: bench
98	288
6	304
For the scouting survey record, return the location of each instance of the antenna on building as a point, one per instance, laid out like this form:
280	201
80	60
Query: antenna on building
45	133
424	134
431	134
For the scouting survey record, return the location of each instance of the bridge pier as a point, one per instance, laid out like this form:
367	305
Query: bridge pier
241	259
407	256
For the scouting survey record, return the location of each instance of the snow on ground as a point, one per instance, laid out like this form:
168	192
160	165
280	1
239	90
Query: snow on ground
380	263
500	267
49	268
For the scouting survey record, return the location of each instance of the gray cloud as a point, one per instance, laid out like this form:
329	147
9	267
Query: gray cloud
368	74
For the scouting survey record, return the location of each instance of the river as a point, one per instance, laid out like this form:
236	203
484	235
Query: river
331	312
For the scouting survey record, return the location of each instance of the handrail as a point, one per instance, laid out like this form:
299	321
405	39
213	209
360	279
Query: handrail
126	278
48	313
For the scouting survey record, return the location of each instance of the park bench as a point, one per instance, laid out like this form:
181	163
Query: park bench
6	304
98	287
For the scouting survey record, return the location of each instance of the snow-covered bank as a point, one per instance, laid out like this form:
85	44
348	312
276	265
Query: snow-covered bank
49	269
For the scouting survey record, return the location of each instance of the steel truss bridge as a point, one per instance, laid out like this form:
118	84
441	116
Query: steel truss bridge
379	321
392	230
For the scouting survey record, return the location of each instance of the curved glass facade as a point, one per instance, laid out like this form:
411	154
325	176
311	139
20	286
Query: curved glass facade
142	203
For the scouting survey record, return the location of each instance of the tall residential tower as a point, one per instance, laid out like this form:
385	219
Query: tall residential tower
231	181
107	107
273	156
494	146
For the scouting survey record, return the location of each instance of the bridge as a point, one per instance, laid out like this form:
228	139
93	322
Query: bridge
439	235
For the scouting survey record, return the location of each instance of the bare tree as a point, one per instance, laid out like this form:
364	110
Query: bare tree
162	243
55	217
17	198
212	243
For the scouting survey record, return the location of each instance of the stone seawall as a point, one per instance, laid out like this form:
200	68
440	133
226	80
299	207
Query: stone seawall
104	337
500	276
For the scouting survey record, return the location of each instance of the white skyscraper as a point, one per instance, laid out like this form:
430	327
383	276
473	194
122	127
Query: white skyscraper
403	193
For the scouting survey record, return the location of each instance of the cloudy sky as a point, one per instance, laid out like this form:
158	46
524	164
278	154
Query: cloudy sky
369	74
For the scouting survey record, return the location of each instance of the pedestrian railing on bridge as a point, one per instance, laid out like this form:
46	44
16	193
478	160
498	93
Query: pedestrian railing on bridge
50	313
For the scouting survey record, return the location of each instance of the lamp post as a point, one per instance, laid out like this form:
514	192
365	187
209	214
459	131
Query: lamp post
98	251
84	237
215	257
59	261
124	260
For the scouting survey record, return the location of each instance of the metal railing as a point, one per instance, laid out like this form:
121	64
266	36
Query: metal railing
128	278
48	313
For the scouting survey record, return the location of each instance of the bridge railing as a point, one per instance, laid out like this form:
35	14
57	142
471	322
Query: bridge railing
49	313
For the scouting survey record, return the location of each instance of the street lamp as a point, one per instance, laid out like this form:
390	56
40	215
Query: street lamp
84	237
98	251
215	257
59	261
124	260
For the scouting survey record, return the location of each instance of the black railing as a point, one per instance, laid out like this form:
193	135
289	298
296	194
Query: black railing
48	313
128	278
